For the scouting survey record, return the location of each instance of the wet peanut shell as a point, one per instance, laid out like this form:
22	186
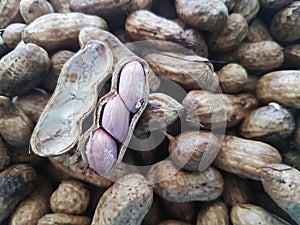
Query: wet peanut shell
247	8
4	156
268	123
128	200
33	9
64	219
282	184
281	87
212	111
10	12
61	123
58	60
16	182
33	104
204	15
242	214
244	157
59	30
260	56
213	213
161	111
61	6
236	190
34	206
71	197
176	185
108	7
12	34
17	73
189	71
194	150
258	31
230	36
285	26
15	125
145	25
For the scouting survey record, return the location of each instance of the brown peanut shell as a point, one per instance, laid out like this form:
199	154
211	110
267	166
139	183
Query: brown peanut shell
10	12
12	34
247	8
61	6
33	9
258	31
64	219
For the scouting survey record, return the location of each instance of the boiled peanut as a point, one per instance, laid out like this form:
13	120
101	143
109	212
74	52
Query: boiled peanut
59	30
281	87
17	75
16	182
128	200
244	157
205	15
61	6
282	184
177	185
33	9
258	31
213	213
248	101
12	34
71	197
64	219
10	12
247	8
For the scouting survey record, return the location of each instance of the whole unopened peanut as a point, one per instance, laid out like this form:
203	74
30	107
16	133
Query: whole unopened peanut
32	9
213	213
176	185
71	197
64	219
244	157
10	12
258	31
244	213
128	200
247	8
12	34
282	184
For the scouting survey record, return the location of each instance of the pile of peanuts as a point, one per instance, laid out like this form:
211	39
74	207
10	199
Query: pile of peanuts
169	112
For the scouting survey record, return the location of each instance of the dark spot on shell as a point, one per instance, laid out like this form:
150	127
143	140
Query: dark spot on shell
71	77
288	18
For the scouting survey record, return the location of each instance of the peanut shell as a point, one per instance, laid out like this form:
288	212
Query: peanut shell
64	219
129	199
12	34
61	6
281	87
247	8
244	157
177	185
59	30
258	31
10	12
33	9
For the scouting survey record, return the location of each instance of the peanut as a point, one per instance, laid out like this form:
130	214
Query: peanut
247	8
10	12
12	34
64	219
33	9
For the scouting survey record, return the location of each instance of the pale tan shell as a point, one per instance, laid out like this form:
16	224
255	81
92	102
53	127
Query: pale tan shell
17	73
213	213
244	157
258	31
285	26
34	206
232	77
71	197
282	184
194	150
268	123
262	56
32	9
10	12
129	199
177	185
212	110
64	219
189	71
248	8
16	182
12	34
236	190
242	214
61	6
230	36
281	87
202	14
59	30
